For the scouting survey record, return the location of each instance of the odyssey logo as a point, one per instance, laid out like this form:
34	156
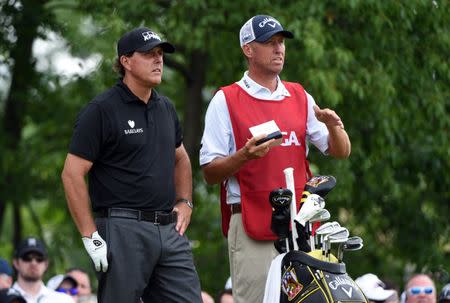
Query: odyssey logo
133	130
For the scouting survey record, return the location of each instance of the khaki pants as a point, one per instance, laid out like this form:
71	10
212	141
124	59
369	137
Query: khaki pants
249	263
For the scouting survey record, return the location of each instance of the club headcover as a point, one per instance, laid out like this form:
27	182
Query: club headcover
320	185
311	205
280	200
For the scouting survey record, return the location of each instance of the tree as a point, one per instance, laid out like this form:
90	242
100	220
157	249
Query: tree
381	65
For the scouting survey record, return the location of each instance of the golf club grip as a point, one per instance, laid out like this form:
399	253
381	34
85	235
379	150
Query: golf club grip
289	177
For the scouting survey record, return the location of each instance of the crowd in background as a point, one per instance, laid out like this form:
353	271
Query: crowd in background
25	283
21	281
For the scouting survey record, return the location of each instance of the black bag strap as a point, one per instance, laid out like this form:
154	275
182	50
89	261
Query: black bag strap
302	257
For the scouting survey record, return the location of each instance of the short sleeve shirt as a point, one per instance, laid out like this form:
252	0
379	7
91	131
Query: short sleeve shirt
132	147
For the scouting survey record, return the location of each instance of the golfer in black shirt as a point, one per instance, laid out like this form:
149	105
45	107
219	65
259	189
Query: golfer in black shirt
128	141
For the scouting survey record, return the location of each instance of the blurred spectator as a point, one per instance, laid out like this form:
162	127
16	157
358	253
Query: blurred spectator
375	290
85	294
420	289
10	295
83	280
65	284
444	297
31	262
225	296
206	298
5	274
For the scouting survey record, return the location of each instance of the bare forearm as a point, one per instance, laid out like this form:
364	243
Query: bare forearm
79	204
339	145
183	178
221	169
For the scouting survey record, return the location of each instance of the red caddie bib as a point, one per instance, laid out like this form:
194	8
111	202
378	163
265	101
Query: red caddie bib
258	177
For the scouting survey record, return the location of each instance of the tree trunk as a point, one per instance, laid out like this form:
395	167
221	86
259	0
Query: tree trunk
26	22
193	114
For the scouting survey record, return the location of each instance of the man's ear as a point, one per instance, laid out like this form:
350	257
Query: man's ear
15	263
125	61
248	50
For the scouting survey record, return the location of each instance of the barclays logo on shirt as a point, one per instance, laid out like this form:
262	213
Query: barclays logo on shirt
133	130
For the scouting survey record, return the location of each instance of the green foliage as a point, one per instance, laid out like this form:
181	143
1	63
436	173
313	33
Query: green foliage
381	65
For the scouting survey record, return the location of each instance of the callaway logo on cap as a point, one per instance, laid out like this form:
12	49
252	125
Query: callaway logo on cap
141	39
261	28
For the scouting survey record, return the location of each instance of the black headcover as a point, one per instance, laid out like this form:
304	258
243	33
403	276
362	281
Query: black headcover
320	185
280	200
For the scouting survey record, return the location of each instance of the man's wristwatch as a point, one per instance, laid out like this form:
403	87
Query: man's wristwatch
188	202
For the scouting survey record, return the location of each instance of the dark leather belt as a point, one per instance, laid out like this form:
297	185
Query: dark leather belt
236	208
156	217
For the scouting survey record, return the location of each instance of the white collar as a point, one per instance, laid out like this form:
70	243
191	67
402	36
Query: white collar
256	90
42	291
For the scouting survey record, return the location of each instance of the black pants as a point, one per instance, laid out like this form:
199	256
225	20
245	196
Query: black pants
147	261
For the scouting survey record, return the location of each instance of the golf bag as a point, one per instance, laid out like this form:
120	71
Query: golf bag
307	279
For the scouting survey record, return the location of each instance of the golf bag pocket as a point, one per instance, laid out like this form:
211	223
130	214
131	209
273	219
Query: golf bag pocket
309	280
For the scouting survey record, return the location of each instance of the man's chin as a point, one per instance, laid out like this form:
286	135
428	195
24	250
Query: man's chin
154	82
31	278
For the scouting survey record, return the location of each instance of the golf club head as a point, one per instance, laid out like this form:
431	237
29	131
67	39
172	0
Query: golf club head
353	243
353	247
280	200
338	239
313	203
320	216
323	230
339	233
327	228
320	185
354	240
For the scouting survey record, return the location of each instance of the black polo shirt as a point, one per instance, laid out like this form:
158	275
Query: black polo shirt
132	147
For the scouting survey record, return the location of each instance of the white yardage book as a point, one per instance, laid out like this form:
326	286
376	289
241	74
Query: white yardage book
269	128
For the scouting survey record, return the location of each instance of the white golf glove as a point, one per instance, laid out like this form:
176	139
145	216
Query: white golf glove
97	249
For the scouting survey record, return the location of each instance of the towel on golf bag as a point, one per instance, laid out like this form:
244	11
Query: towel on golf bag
306	279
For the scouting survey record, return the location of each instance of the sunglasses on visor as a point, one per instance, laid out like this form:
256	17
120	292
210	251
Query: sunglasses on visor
414	291
69	291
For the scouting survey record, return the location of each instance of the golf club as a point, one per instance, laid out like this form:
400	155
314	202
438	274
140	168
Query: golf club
340	234
289	177
352	244
320	216
323	230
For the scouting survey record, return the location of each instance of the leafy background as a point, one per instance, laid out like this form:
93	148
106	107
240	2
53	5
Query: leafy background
382	65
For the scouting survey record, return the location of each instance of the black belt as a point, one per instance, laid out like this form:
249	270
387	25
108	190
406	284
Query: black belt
236	208
156	217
